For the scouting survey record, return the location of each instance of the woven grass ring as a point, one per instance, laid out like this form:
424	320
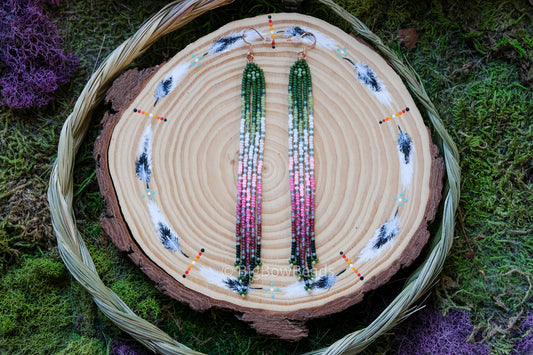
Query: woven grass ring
396	169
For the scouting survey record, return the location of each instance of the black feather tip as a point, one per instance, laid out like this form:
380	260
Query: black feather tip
405	145
169	240
387	231
222	44
142	168
367	76
237	286
163	89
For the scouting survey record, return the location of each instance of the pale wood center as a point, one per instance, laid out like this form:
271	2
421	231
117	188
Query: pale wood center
195	152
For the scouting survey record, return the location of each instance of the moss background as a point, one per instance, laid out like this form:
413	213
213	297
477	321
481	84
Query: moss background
476	60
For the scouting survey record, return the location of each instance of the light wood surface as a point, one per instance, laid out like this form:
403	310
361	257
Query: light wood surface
194	173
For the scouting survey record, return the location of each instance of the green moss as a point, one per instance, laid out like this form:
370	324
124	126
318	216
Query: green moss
33	312
83	346
12	303
488	111
26	143
140	296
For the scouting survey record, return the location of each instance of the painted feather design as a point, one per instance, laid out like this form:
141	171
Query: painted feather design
325	282
170	82
321	39
220	279
406	153
320	285
383	236
369	78
232	41
143	163
166	234
236	286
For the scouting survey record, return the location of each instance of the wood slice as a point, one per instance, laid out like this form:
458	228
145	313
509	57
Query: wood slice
378	176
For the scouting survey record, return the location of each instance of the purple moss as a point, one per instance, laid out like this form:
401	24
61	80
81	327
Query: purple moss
428	332
524	345
32	64
127	347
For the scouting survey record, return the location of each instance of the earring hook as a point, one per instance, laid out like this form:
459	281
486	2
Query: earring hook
303	53
250	56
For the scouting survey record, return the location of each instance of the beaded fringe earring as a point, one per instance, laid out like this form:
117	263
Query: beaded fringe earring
250	185
302	168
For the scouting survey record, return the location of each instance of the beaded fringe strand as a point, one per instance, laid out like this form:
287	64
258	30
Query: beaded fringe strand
250	185
302	172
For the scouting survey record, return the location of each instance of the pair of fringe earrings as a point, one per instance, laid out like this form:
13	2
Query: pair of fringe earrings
301	169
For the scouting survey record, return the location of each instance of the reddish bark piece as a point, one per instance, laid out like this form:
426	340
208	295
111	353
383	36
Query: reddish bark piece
408	36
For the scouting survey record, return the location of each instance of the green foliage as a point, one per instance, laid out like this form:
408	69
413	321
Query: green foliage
82	346
35	312
27	145
487	106
385	18
140	295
